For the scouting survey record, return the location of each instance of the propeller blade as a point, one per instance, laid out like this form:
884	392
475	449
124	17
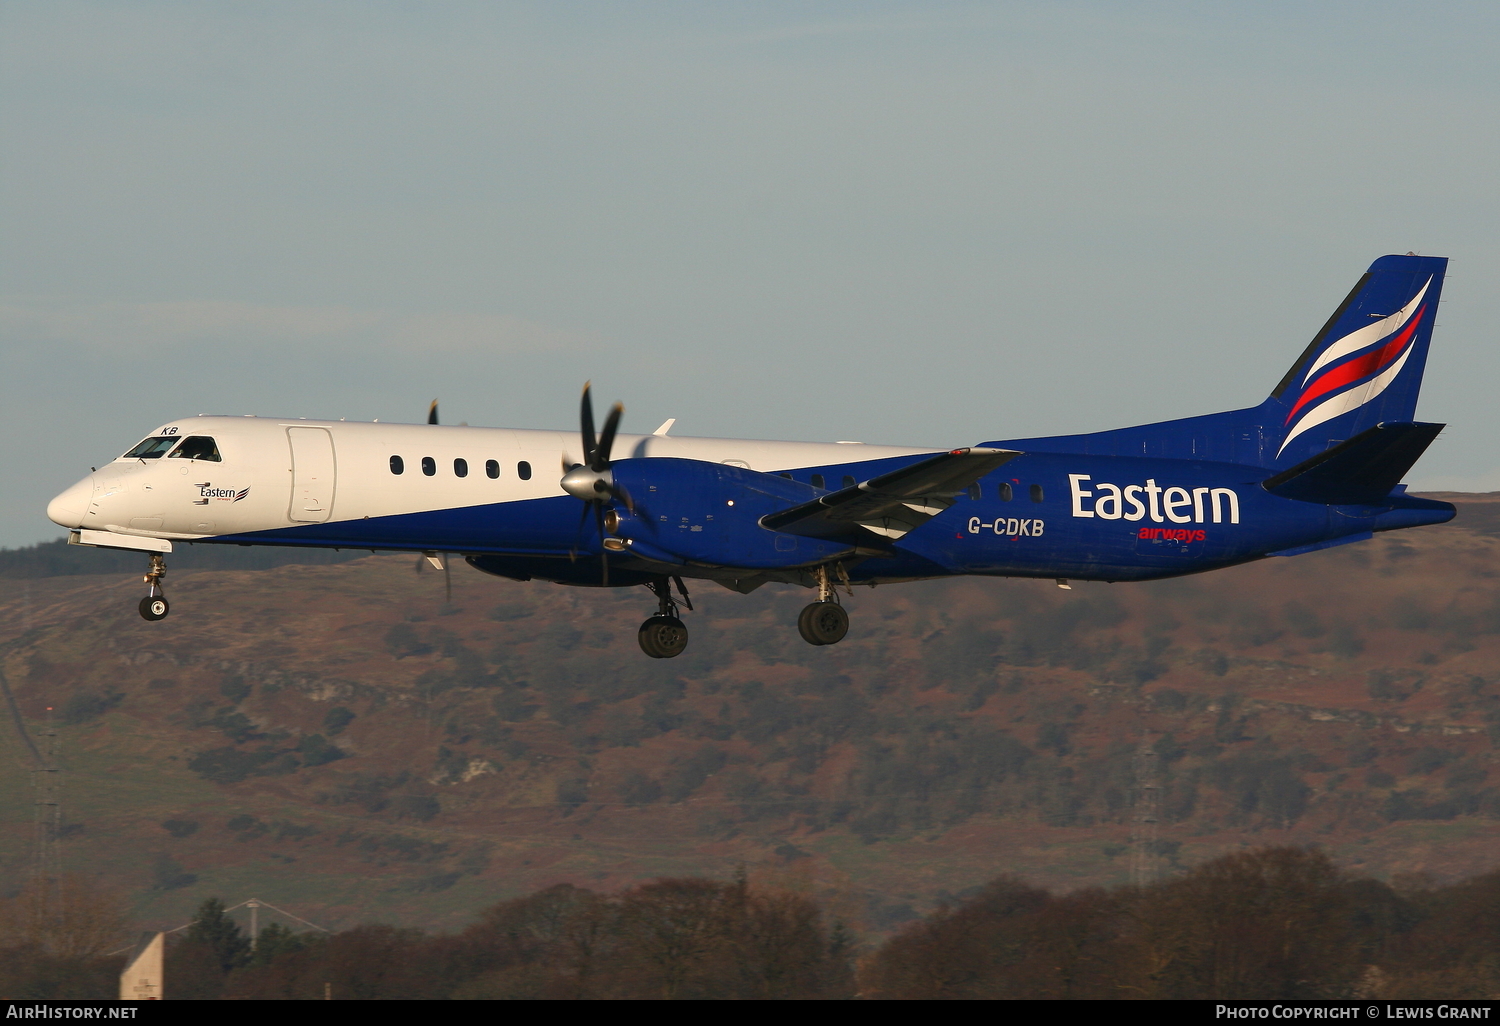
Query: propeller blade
578	535
586	420
607	440
603	553
619	492
432	413
448	581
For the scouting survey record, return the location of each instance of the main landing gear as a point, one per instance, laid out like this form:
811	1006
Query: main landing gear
824	622
154	606
664	635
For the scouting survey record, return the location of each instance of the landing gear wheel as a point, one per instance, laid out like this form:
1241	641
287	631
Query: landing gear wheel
663	637
823	623
154	607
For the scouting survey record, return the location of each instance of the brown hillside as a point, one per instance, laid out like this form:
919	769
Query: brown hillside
334	740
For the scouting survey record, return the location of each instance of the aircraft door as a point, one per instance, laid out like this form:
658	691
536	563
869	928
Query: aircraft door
312	474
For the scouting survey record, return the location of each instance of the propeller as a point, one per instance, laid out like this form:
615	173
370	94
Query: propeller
592	481
432	413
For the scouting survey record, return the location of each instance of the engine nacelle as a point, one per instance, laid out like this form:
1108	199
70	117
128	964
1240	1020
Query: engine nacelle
692	511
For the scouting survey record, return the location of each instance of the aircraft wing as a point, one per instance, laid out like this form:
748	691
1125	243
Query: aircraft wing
893	504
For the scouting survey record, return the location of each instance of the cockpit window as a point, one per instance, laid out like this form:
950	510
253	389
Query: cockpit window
197	447
152	448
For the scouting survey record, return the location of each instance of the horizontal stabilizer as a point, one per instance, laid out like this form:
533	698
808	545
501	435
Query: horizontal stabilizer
891	505
1361	471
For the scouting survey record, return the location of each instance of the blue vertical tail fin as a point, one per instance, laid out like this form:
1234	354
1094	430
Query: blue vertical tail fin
1362	369
1365	367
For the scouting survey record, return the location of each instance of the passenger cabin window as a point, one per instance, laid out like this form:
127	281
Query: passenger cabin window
1005	493
817	480
491	469
787	476
1036	493
974	491
523	470
398	465
151	448
429	465
848	480
197	447
460	468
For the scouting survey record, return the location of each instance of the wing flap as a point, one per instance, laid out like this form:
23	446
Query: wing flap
894	504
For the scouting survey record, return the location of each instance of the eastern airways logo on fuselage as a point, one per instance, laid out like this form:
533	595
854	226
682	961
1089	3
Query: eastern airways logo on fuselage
222	494
1136	502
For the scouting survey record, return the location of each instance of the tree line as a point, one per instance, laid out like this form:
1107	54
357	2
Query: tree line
1280	922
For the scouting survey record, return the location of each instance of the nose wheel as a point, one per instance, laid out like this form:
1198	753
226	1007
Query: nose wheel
664	636
155	606
824	622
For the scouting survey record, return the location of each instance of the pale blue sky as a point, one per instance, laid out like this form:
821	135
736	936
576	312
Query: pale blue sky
917	223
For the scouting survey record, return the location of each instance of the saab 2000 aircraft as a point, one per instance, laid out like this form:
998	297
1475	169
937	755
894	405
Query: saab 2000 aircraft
1317	464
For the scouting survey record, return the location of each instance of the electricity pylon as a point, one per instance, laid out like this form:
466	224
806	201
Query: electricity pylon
1145	847
46	870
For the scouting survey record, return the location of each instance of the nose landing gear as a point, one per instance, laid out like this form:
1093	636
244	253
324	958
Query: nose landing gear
664	636
824	622
155	606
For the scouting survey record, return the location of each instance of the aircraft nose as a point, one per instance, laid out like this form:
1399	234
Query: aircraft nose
67	509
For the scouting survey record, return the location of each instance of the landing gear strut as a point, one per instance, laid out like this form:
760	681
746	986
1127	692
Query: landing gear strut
824	622
664	635
154	606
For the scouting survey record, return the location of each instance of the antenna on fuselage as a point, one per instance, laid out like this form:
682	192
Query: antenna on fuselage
439	561
432	413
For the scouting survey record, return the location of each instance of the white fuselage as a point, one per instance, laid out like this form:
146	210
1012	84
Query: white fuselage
285	473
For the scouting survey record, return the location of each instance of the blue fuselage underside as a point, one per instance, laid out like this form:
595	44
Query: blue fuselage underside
1051	537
